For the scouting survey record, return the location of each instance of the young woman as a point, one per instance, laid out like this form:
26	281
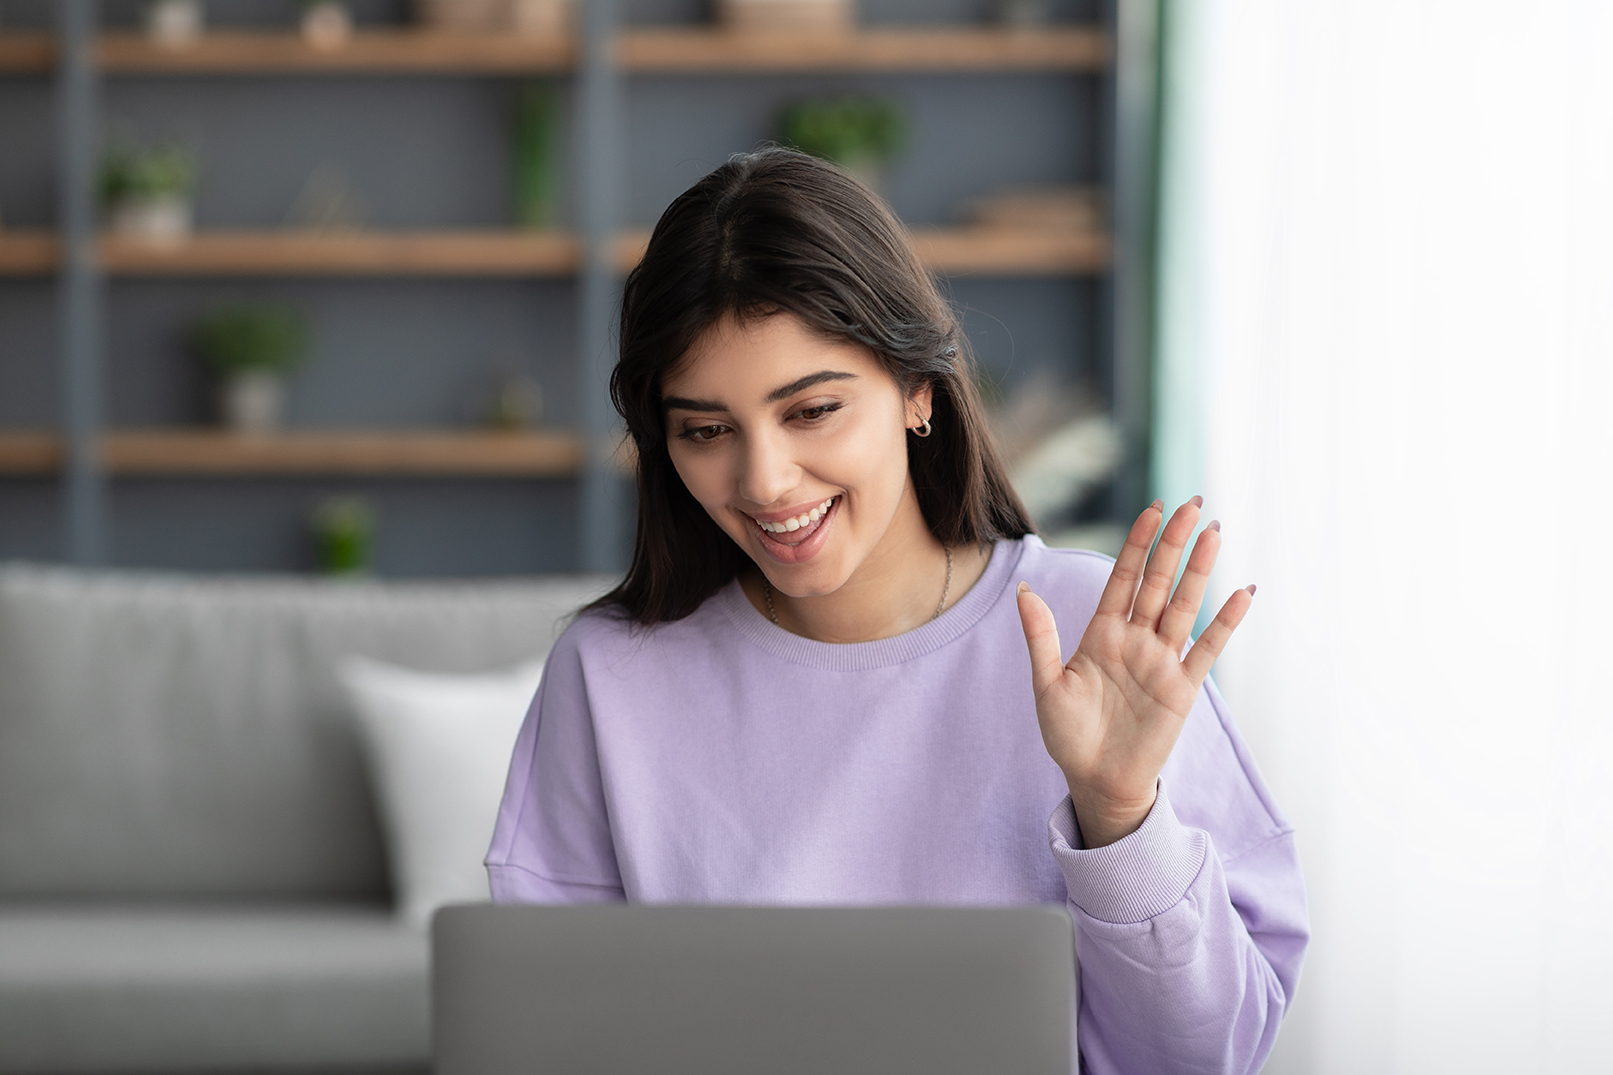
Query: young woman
833	672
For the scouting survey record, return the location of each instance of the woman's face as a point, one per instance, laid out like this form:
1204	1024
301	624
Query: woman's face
796	446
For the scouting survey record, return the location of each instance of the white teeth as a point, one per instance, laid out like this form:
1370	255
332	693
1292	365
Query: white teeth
799	521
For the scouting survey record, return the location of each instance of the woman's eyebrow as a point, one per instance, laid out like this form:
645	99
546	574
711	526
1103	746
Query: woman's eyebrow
807	382
682	403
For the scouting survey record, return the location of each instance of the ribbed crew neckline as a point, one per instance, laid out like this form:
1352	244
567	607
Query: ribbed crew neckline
880	653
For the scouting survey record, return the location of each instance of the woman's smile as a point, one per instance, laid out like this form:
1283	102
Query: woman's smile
793	536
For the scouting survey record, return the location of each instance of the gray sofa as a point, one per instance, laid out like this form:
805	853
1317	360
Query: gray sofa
192	876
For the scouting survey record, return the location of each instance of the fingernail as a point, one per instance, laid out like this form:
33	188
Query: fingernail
1024	587
1157	505
1251	589
1215	524
1197	501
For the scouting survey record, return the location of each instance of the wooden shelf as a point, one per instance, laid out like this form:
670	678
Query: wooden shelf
26	53
948	50
206	452
375	52
660	50
984	251
989	251
359	253
27	452
28	253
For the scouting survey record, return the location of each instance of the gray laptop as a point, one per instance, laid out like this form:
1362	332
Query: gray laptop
754	990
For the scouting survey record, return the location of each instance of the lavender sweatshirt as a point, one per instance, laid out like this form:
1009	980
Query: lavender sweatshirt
721	759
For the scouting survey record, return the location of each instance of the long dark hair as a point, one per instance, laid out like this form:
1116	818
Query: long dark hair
778	231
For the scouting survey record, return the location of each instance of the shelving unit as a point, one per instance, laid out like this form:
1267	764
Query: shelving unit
599	64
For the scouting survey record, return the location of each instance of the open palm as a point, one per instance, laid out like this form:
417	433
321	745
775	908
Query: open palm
1111	714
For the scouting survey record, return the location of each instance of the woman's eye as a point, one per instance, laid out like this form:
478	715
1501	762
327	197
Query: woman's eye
813	414
702	433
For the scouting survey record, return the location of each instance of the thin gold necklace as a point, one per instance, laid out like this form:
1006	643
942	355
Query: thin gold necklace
940	606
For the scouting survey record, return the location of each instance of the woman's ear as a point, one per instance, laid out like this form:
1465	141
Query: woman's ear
919	404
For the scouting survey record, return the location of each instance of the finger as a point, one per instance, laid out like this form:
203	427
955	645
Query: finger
1183	609
1041	638
1122	584
1208	647
1161	573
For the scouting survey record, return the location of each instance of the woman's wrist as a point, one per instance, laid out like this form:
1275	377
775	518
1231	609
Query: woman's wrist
1103	820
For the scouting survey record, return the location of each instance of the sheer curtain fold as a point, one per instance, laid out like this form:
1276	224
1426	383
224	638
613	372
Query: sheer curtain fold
1386	346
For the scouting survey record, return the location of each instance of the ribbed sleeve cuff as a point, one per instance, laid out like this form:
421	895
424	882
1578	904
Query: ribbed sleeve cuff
1133	879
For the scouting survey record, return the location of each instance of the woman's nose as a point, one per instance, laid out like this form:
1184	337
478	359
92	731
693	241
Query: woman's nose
767	471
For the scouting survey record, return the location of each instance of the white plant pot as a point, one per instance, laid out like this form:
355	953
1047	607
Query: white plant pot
174	23
253	401
164	219
327	26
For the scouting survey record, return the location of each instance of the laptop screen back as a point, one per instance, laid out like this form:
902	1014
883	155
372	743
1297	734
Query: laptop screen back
758	990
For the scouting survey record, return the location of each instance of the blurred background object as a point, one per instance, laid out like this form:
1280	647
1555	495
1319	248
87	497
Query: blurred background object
517	402
147	191
489	16
326	24
462	15
174	22
787	15
251	349
1077	209
344	532
535	155
327	202
861	134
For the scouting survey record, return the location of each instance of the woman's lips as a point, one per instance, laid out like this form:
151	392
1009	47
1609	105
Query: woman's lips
797	546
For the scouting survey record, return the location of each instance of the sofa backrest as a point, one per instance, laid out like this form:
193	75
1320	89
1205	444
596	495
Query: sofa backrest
170	736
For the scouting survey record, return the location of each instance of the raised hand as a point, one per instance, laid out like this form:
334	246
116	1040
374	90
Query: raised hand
1112	713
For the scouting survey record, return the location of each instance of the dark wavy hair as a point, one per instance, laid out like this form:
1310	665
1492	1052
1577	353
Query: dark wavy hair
770	232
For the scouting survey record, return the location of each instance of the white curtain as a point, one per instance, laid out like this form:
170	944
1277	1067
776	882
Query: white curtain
1386	358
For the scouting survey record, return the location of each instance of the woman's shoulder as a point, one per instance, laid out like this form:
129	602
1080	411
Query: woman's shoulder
610	631
1062	576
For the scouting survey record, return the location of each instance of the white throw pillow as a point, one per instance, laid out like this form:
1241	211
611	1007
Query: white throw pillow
439	748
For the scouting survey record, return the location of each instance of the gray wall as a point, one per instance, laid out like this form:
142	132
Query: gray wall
415	352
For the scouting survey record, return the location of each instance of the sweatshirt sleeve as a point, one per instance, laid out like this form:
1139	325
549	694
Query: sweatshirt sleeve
552	842
1189	936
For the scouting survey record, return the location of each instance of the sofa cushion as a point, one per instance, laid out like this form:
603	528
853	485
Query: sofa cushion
86	989
181	737
439	748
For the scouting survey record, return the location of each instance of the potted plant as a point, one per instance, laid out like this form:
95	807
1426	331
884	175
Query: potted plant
326	24
344	535
535	155
251	347
861	134
147	192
